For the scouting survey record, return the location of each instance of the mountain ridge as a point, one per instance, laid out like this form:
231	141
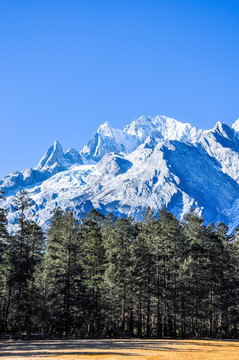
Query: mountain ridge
151	162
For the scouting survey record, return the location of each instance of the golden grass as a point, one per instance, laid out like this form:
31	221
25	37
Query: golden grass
120	350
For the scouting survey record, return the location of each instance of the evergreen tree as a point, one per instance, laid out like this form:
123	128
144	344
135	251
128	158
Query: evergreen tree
143	273
58	279
109	299
169	255
194	275
93	262
23	253
119	273
4	238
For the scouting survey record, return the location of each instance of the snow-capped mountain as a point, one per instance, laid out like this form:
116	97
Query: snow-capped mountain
106	139
151	162
51	163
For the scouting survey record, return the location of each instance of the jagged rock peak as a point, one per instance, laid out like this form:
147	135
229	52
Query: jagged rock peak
54	155
104	127
220	128
225	131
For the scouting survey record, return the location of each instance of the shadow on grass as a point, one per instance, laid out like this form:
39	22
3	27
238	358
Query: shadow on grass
64	353
28	348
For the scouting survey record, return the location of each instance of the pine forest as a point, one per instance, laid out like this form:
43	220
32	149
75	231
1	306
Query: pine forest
108	277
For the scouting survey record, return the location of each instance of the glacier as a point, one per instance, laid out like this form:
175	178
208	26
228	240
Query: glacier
154	161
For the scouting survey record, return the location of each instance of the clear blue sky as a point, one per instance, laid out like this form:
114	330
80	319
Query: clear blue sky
68	66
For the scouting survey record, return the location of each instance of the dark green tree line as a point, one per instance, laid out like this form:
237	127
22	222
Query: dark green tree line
104	276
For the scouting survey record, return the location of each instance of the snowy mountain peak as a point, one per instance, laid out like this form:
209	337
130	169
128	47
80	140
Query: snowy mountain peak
104	126
107	139
235	126
141	128
162	127
105	129
220	126
226	132
52	158
221	129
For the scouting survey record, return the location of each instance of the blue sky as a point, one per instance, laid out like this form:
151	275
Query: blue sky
68	66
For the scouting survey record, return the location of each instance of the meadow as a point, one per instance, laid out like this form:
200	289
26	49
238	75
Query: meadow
122	349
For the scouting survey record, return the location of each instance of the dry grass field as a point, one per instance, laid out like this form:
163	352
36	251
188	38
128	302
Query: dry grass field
120	350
